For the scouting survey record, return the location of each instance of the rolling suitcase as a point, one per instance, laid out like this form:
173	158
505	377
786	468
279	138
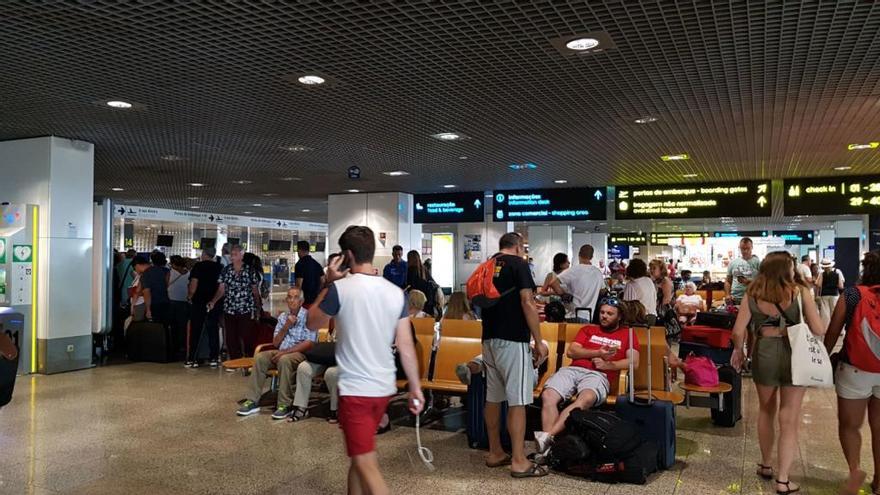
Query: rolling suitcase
718	356
8	367
655	418
148	341
732	400
475	404
716	319
712	336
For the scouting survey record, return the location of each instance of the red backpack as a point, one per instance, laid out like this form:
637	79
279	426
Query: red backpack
862	342
481	288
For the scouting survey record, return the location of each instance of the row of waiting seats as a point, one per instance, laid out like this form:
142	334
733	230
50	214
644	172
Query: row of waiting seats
460	342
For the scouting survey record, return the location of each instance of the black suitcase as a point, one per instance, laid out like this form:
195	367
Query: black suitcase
655	418
732	400
148	341
9	357
716	319
475	404
718	356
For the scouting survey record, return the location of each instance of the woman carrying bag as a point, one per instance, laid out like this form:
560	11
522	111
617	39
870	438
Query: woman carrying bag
858	370
773	305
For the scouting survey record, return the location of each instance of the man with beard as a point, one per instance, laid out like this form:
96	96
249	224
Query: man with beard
598	353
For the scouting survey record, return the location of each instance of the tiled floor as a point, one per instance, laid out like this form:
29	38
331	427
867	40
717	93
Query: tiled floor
160	429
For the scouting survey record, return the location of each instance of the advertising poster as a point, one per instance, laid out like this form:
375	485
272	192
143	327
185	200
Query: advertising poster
473	248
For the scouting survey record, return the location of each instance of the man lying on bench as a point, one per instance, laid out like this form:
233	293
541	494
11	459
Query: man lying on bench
598	353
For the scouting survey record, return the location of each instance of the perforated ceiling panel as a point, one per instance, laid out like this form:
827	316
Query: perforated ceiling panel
747	89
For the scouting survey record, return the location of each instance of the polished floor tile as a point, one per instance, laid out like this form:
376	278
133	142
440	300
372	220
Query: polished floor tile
161	429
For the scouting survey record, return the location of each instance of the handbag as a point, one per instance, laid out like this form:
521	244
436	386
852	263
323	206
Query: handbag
810	364
323	353
700	371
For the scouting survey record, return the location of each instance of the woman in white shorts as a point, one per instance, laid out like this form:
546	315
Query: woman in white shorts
858	373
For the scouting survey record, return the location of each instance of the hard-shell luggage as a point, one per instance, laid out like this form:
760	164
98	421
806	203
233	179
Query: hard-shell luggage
148	341
718	356
714	337
716	319
732	400
475	402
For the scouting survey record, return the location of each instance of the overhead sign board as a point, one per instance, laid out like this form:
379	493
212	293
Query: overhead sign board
795	237
449	207
578	204
840	195
741	233
627	240
726	199
663	238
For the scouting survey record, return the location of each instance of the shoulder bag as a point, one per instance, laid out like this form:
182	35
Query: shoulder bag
810	364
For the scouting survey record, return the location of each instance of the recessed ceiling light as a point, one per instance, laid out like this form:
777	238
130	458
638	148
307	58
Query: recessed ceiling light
117	189
306	210
843	168
523	166
311	80
462	158
449	186
646	120
193	198
560	181
353	190
247	212
288	179
171	158
581	44
680	156
242	182
269	195
196	184
396	173
690	176
257	204
868	146
295	148
448	136
118	104
195	207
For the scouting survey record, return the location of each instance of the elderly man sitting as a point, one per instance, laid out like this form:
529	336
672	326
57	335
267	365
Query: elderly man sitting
291	340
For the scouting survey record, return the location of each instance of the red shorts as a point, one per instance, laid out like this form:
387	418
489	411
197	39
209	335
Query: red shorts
359	418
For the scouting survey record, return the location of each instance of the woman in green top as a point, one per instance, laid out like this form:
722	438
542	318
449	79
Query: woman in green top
773	301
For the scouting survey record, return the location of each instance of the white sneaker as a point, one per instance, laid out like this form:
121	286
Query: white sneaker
543	441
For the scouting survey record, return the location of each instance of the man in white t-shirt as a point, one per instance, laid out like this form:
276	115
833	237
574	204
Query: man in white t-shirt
582	281
371	316
805	272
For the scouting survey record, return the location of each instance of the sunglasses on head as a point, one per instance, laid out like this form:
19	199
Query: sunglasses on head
612	301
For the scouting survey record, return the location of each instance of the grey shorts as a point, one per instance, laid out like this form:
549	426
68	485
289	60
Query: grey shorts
574	379
509	373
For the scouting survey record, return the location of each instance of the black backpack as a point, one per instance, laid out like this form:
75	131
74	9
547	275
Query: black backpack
608	436
554	312
570	454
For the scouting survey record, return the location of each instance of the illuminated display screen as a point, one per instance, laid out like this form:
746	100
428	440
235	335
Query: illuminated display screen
793	237
727	199
448	208
663	238
742	233
627	239
832	196
584	203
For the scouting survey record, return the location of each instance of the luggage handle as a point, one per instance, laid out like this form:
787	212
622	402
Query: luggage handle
631	379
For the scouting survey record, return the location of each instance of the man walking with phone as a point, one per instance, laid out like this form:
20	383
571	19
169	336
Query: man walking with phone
371	316
508	326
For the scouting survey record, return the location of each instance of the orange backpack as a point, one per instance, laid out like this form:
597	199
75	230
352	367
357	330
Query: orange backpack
481	288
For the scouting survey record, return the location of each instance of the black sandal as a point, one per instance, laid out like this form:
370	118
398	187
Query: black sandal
299	414
786	492
762	469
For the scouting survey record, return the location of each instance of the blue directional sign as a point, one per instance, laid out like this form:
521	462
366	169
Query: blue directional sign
543	205
448	207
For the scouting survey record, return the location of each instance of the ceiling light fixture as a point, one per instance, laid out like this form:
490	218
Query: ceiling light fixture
581	44
171	158
269	195
868	146
288	179
560	181
257	204
306	210
680	156
295	148
396	173
522	166
247	212
842	168
195	207
117	189
646	120
449	186
690	176
193	198
353	190
196	184
242	182
462	158
118	104
448	136
311	80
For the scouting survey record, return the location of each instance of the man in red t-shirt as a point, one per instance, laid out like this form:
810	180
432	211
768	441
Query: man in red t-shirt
598	353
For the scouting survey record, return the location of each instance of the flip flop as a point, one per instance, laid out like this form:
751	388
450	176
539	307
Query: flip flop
503	462
536	471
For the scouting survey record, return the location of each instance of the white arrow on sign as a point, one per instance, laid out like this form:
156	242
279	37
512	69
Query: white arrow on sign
762	201
477	203
598	195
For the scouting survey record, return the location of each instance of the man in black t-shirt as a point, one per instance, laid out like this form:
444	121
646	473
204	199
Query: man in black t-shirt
202	287
309	274
507	328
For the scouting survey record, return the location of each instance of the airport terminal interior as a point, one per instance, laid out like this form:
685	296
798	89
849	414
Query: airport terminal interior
664	182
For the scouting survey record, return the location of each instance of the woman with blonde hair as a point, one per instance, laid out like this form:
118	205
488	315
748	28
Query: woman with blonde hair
774	301
416	301
660	275
458	308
